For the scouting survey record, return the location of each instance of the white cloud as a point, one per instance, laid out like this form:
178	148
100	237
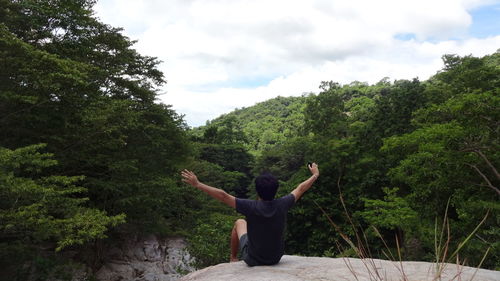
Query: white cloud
292	45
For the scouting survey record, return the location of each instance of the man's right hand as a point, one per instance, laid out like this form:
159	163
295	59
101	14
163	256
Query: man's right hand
189	178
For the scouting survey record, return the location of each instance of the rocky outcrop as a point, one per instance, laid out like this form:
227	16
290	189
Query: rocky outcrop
294	268
146	259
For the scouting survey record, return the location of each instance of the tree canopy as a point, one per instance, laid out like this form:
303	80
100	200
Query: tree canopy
73	91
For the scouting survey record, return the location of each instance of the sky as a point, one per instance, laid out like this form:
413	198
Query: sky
218	55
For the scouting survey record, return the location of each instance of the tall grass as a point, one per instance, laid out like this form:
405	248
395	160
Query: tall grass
441	247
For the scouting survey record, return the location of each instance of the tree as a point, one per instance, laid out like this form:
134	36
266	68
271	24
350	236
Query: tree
325	114
453	153
78	86
70	30
36	208
392	213
395	106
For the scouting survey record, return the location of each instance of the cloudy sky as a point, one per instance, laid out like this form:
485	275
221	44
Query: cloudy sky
219	55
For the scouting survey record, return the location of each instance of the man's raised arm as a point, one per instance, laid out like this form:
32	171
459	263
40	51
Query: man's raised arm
305	185
219	194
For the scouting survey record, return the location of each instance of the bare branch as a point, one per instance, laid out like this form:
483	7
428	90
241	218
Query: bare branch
480	153
485	178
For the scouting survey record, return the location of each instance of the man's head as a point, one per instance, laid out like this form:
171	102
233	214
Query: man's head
266	186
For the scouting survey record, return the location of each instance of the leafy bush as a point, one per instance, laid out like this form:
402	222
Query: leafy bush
210	240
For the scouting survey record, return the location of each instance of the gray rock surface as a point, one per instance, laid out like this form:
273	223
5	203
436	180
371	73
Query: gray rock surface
146	259
294	268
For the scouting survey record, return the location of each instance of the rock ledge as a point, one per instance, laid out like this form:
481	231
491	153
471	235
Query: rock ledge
295	268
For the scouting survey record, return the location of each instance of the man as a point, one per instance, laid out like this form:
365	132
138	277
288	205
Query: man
260	237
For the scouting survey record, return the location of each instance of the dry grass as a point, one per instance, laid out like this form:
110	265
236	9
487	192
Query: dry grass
442	249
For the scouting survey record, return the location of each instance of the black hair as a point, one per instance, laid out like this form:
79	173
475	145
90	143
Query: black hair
266	186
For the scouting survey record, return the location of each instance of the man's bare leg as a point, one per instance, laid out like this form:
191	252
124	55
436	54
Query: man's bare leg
235	243
240	228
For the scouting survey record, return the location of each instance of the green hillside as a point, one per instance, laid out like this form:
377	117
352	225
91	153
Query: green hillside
398	159
265	124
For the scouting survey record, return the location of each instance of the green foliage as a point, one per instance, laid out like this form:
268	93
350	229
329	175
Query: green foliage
210	240
391	213
231	166
227	131
43	208
78	86
38	209
435	140
233	182
395	107
325	114
283	160
231	157
261	126
454	153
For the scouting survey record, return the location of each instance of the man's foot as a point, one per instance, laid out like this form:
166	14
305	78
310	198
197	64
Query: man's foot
232	259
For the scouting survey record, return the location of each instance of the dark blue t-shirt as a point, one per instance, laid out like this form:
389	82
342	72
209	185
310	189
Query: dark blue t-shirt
266	222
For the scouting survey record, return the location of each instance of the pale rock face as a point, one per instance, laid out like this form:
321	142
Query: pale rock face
294	268
147	259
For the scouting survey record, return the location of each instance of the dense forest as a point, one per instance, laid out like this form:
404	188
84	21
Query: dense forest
88	154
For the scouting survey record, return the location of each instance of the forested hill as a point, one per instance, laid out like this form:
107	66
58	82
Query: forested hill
401	161
263	125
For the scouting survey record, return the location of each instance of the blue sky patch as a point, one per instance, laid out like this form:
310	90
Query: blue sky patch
485	21
405	36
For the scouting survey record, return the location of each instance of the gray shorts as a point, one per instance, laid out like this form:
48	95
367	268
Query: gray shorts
244	251
243	246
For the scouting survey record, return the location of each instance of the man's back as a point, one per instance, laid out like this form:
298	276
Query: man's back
263	243
266	225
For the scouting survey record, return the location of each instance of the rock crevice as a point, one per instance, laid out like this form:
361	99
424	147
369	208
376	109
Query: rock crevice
147	259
